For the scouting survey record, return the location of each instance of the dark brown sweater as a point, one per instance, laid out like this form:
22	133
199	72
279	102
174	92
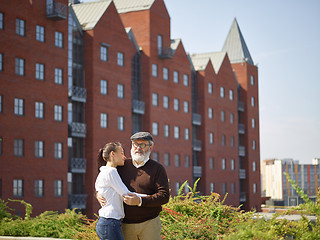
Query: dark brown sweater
151	179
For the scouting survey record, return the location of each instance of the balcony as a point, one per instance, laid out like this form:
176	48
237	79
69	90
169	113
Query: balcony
56	10
138	107
240	106
242	151
78	165
166	53
78	201
77	129
196	119
243	197
242	173
78	94
197	171
241	128
196	145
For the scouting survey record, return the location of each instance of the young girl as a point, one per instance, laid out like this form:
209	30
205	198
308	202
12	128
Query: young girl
110	186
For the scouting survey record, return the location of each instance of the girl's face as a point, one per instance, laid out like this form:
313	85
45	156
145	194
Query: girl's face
119	157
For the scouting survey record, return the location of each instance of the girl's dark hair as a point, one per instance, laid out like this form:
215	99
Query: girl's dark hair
104	153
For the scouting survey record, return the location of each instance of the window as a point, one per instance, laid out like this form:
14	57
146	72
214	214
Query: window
103	120
252	101
120	91
40	33
223	140
175	77
232	141
252	80
186	134
155	128
58	188
254	145
176	104
1	149
224	188
231	118
177	160
165	73
18	148
154	70
58	39
58	76
159	44
104	87
1	20
39	71
211	163
187	161
223	164
20	27
231	95
254	166
58	150
0	103
176	132
211	187
210	113
19	106
1	62
19	67
185	80
167	159
253	123
154	99
38	188
210	88
232	164
166	102
58	113
104	53
177	187
166	130
233	188
18	188
186	106
211	138
120	59
39	110
221	92
254	188
121	123
222	116
155	156
39	149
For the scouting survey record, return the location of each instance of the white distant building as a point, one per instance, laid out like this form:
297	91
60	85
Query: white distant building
276	186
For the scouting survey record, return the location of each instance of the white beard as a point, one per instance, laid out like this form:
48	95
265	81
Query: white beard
140	157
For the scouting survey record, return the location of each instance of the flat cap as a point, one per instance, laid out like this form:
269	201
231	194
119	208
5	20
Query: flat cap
142	135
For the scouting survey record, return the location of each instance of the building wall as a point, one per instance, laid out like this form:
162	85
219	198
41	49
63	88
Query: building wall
28	167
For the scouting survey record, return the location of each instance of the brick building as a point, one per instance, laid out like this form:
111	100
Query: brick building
110	69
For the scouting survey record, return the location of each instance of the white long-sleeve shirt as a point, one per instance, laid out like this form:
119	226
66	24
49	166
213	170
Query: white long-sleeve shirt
110	186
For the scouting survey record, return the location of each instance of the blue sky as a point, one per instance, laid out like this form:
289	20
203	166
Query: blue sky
283	38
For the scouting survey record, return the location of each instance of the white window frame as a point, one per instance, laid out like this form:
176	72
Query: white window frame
58	39
166	130
210	113
186	134
177	160
186	106
176	132
40	71
104	87
175	76
185	80
210	88
222	92
18	106
103	120
39	149
211	138
121	123
19	66
231	95
232	164
58	188
40	33
20	27
58	150
39	110
176	104
120	59
58	113
155	128
58	76
154	70
165	73
155	101
165	102
120	91
39	187
104	53
160	43
17	187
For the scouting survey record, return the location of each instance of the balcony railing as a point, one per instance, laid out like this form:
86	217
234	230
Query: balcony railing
138	107
56	10
166	53
196	145
243	197
78	165
241	128
78	94
78	201
197	171
196	119
77	129
242	173
240	106
242	151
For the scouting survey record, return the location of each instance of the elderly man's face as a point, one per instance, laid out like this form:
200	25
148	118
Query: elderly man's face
140	150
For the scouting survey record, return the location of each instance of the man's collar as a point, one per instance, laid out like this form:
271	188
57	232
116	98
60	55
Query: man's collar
139	164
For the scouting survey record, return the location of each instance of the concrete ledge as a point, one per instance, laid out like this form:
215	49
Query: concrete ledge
28	238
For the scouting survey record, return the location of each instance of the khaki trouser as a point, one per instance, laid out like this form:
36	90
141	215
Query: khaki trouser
148	230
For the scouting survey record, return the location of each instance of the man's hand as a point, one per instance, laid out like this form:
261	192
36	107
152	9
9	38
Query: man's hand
132	199
101	199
